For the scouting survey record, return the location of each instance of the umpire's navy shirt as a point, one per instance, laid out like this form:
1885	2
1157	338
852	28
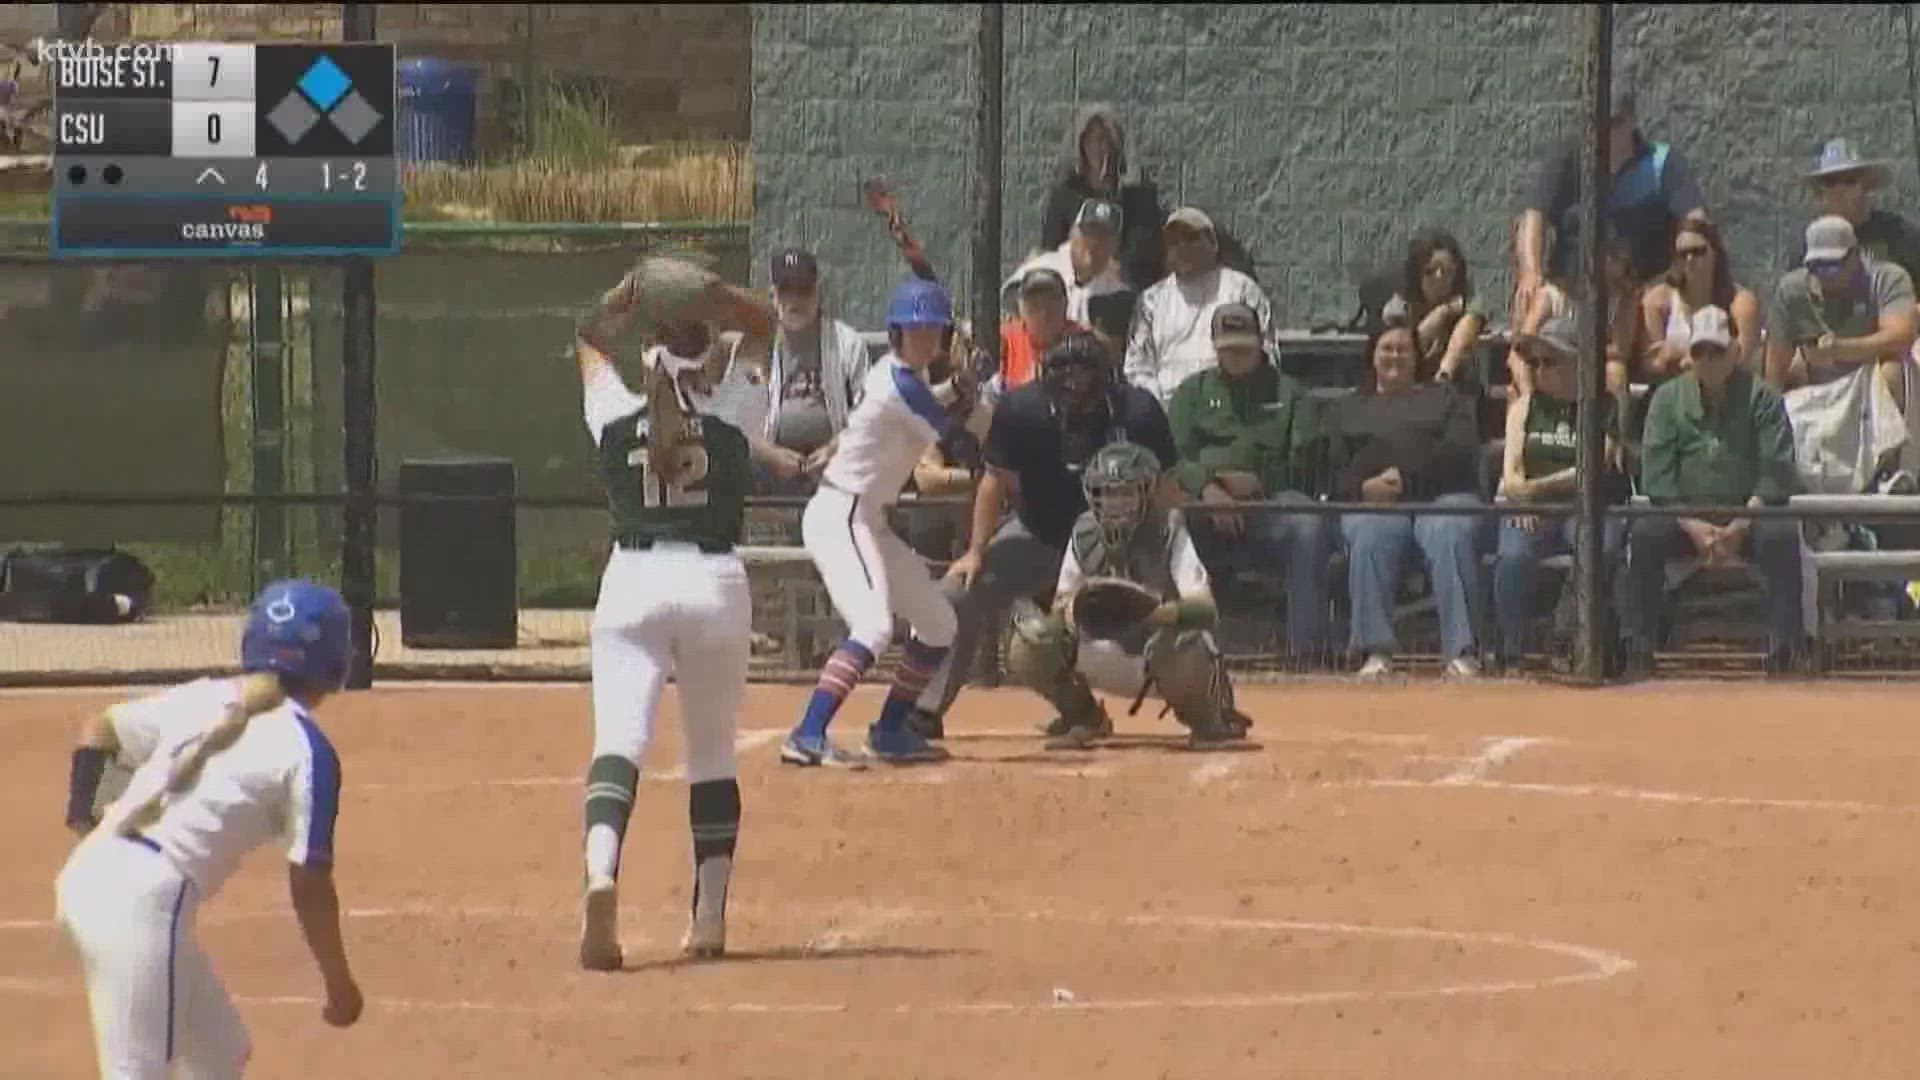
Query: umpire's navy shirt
1024	439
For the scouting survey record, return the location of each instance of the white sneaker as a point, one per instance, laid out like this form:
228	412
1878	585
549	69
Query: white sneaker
599	926
1378	666
707	931
1463	668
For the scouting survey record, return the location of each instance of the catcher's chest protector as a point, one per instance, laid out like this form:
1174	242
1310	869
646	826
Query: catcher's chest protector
1147	560
708	507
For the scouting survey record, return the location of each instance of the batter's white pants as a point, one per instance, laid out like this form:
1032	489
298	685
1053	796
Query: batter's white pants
871	574
671	610
153	996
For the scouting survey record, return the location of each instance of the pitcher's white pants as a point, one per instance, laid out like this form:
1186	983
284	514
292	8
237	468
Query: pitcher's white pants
671	610
153	996
871	574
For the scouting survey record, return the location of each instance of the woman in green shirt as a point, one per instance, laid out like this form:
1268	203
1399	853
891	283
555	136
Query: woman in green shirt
1540	455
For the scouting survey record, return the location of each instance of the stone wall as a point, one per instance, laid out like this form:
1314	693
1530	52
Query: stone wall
671	71
1324	135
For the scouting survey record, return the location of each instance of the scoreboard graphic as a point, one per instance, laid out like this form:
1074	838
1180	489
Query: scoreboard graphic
199	150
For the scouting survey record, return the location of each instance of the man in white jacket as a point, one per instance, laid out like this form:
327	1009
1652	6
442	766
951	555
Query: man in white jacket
814	374
1088	262
1172	333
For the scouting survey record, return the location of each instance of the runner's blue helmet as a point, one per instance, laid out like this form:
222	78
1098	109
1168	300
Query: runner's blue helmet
299	629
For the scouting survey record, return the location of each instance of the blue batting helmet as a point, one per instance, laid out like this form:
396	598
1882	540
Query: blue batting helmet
300	629
919	303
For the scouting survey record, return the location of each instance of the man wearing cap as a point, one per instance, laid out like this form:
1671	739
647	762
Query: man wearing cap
1838	311
1716	435
814	375
1842	184
1171	337
1040	437
1041	294
1087	260
1246	432
1653	189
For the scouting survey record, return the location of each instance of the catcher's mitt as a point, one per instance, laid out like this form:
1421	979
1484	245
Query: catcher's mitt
671	452
1108	608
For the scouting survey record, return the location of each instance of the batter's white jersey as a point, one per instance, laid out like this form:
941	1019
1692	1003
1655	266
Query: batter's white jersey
894	424
280	780
1188	572
144	725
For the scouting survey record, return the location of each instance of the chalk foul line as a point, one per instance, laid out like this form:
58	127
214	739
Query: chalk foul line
1596	965
1493	754
1679	798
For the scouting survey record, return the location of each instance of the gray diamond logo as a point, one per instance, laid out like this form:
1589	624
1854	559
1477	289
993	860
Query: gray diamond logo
293	118
354	117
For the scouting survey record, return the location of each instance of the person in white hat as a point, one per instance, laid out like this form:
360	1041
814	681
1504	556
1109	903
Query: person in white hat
1716	436
1842	184
1838	311
1172	334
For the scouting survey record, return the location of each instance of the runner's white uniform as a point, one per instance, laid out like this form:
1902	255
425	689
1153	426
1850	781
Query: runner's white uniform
129	905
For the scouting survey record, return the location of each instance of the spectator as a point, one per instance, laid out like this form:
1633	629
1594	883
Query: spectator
1718	436
1701	276
1247	432
1839	311
1094	165
1086	261
1041	435
1171	337
816	368
1541	452
1653	190
1842	185
1556	299
1027	337
1436	295
1402	441
950	467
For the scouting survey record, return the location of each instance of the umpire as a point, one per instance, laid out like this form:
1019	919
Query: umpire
1041	436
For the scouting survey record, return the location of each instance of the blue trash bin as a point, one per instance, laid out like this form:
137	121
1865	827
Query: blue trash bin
436	110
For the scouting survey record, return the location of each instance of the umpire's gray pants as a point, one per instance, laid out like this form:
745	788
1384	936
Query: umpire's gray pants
1014	565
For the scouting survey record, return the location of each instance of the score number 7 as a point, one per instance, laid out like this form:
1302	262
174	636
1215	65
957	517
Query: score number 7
214	79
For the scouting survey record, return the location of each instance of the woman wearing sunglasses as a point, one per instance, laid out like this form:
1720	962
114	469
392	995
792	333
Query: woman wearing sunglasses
1540	455
1701	276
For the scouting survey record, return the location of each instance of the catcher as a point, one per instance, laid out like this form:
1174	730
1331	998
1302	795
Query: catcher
1132	613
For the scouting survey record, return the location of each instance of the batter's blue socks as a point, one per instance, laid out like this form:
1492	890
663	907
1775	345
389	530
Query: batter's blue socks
918	662
838	677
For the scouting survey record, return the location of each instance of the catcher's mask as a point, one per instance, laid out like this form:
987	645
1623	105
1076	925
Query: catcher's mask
1119	484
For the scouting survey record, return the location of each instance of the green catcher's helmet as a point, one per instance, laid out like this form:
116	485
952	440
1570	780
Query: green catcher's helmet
1119	484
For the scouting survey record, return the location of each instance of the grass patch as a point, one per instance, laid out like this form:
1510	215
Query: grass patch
684	182
35	205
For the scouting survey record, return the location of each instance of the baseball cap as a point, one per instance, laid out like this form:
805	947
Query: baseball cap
795	268
1100	214
1042	279
1191	218
1236	325
1709	327
1829	239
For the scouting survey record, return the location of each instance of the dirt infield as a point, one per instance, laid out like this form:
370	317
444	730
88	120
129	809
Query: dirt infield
1685	881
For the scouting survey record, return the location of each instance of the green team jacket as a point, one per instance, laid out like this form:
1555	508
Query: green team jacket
1267	424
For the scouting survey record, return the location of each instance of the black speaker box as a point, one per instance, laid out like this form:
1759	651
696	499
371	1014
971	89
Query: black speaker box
459	573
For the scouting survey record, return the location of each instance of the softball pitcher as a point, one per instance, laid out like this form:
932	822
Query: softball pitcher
870	573
255	768
673	600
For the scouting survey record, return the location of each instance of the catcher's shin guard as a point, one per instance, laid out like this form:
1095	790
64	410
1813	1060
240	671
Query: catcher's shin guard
1190	674
1040	657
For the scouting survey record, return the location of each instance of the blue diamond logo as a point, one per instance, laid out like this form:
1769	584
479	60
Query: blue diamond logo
324	83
